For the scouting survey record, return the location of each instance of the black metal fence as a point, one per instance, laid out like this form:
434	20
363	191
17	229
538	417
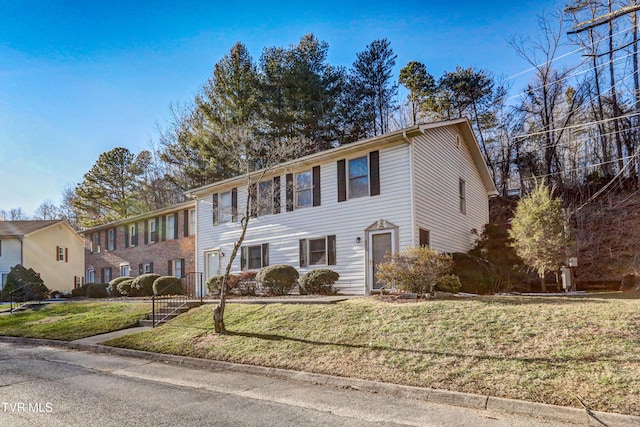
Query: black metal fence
166	307
17	297
193	285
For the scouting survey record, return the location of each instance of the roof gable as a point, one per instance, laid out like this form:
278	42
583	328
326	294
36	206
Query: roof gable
22	228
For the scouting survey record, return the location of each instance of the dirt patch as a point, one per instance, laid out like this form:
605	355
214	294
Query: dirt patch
50	319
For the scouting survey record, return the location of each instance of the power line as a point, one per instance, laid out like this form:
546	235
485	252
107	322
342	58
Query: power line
574	126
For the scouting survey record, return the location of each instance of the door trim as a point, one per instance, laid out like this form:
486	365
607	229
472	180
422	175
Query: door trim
206	261
378	227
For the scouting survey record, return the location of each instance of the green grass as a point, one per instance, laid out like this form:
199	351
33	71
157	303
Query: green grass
551	350
73	320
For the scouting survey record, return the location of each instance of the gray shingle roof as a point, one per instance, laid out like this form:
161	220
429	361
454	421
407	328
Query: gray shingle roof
21	228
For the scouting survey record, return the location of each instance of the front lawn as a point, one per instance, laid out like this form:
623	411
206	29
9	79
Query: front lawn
73	320
553	350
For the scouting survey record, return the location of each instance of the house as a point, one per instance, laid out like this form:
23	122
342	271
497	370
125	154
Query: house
51	248
161	242
345	208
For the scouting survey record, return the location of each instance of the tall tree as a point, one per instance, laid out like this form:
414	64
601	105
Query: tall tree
537	230
110	190
47	211
421	85
14	214
300	93
372	74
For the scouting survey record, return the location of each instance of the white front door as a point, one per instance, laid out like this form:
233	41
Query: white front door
380	243
211	264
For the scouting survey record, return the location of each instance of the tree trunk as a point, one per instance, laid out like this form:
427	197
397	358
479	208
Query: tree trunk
543	284
218	318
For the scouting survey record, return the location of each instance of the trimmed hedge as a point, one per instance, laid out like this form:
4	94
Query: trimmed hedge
113	285
80	291
124	287
279	279
167	285
319	281
97	290
142	285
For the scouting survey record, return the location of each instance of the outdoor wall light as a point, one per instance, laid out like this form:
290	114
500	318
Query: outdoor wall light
221	254
358	239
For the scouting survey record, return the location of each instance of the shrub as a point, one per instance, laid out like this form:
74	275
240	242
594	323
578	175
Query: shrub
214	284
97	290
319	282
246	283
124	287
27	284
167	285
448	283
80	291
142	285
279	279
60	294
414	269
113	285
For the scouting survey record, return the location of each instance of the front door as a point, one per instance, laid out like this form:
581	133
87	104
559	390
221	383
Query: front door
211	264
380	243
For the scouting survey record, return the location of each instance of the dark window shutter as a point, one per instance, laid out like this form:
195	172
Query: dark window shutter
424	237
126	236
234	204
243	258
102	274
146	232
374	173
303	252
66	254
182	272
175	225
265	254
150	267
276	194
164	228
137	234
331	250
106	240
169	268
315	175
110	273
289	191
253	200
342	180
99	245
115	234
214	208
140	270
57	252
185	223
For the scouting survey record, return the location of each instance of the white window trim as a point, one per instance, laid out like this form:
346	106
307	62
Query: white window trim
171	230
132	235
224	217
111	239
296	190
348	177
192	222
153	230
308	251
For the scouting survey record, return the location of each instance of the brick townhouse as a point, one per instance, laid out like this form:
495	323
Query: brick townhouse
161	242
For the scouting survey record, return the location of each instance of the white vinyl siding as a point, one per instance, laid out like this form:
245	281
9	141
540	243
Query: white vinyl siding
346	220
439	168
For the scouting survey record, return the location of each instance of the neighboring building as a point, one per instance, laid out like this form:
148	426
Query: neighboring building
345	208
51	248
160	242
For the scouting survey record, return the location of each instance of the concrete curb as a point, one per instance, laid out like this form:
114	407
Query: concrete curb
475	401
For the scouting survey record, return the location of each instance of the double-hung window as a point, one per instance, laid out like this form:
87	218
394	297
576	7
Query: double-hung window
171	227
318	251
133	235
224	207
111	239
265	198
359	177
254	257
95	243
304	189
153	230
192	222
62	254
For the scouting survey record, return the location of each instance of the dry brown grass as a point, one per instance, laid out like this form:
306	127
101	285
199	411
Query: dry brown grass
552	349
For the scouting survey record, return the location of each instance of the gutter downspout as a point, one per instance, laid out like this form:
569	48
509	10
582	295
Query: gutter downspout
411	189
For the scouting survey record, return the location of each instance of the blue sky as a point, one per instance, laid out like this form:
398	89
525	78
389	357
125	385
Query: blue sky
78	78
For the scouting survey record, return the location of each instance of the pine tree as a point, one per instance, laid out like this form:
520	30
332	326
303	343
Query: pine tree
537	229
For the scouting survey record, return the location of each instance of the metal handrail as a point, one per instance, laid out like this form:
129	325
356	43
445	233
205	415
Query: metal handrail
16	290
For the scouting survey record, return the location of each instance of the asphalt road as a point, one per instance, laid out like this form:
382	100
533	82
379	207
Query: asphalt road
47	386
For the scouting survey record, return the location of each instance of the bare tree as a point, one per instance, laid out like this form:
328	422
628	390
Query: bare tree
250	151
15	214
